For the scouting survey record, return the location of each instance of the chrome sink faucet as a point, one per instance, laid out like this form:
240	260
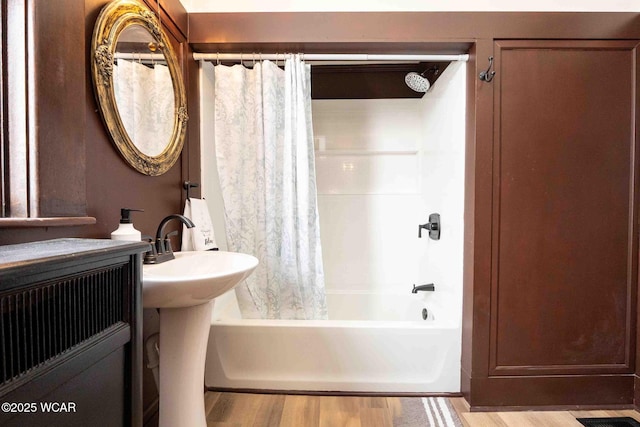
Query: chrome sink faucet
161	251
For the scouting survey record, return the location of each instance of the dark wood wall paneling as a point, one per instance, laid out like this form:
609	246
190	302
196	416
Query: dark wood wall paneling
564	334
442	32
59	129
563	160
173	11
469	265
562	294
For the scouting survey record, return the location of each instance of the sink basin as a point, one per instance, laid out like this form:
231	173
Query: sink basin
193	278
183	289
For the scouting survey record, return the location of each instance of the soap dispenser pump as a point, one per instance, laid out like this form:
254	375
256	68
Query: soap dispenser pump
125	230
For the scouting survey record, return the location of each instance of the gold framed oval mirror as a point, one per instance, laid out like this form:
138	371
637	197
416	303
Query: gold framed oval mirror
139	86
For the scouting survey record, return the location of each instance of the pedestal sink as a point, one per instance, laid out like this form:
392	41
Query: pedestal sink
182	290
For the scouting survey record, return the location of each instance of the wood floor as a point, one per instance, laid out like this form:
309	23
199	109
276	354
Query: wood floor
277	410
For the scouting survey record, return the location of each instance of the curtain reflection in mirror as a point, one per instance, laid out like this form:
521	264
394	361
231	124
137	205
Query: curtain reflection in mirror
146	104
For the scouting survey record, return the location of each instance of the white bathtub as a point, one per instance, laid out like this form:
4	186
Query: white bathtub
372	343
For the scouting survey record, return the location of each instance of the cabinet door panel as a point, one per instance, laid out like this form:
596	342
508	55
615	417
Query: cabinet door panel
564	246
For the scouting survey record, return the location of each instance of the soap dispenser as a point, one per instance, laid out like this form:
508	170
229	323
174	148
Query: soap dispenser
125	230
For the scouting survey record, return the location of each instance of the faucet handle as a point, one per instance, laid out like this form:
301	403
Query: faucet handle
147	238
167	241
151	255
433	227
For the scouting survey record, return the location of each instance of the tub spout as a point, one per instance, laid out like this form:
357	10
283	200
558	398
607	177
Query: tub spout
427	287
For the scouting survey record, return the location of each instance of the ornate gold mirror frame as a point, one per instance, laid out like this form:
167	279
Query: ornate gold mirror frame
113	19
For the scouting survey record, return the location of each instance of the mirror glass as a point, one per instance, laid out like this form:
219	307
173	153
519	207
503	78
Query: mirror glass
139	86
143	90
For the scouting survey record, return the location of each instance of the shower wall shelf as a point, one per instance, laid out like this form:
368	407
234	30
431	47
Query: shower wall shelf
366	153
368	171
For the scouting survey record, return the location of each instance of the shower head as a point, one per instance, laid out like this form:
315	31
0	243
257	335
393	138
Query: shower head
418	82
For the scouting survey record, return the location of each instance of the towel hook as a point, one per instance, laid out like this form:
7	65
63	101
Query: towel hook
187	185
487	76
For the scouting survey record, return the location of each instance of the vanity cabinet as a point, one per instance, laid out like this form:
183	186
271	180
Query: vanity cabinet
70	333
555	267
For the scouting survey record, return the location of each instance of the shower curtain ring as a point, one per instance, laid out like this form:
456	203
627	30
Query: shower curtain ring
254	58
218	58
241	63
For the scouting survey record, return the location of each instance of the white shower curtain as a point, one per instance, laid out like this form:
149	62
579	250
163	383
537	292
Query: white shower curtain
264	150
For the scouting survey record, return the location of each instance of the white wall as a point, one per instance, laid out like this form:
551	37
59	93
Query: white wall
388	164
409	5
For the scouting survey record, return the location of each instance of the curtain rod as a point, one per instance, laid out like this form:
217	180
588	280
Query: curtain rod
325	57
141	56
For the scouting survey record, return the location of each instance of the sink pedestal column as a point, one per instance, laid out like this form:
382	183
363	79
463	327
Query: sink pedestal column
184	333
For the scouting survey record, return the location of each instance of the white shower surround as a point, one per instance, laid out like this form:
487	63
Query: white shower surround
370	271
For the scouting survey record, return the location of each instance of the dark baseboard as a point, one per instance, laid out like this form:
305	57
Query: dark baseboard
550	408
330	393
571	392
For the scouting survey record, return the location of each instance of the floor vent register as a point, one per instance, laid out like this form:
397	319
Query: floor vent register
609	422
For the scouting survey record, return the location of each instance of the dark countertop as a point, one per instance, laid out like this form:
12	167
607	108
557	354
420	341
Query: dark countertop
42	252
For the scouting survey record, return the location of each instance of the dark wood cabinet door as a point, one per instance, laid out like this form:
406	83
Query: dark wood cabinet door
564	208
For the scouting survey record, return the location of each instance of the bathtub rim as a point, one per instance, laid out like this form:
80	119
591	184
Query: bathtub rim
227	312
338	324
